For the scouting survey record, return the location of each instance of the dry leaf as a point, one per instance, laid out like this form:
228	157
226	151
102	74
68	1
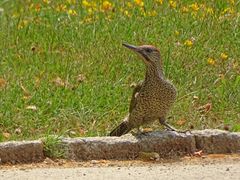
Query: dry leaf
195	97
181	122
146	130
25	91
148	156
80	78
3	83
31	107
205	108
6	135
18	131
198	153
59	82
133	85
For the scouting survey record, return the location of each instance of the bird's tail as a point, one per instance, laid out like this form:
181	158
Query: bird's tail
121	129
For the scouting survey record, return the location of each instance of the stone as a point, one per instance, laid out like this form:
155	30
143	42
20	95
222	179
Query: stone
21	151
217	141
166	144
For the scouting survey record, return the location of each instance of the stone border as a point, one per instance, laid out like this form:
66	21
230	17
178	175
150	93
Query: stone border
21	152
166	144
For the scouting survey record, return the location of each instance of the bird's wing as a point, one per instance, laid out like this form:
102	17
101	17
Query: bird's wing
134	97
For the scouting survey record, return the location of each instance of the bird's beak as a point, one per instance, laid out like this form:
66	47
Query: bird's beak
136	49
132	47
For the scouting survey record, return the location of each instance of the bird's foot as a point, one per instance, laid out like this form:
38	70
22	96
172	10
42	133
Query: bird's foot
146	130
170	128
143	131
179	131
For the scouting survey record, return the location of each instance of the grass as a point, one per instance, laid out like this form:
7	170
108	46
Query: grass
64	72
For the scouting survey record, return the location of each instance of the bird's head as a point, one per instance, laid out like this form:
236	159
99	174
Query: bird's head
150	54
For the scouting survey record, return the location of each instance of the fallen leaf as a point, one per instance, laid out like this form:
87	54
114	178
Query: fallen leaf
6	135
195	97
3	83
147	130
198	153
58	82
205	108
18	131
32	107
191	126
148	156
25	91
133	85
80	78
226	127
181	122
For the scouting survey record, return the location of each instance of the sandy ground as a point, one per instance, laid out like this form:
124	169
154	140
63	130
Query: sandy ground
205	167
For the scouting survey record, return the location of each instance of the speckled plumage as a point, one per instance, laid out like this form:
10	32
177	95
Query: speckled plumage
152	99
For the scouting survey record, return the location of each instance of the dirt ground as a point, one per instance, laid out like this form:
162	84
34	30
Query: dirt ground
202	167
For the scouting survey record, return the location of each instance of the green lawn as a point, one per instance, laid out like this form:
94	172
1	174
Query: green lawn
64	71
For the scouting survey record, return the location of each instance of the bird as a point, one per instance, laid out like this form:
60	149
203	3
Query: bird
153	98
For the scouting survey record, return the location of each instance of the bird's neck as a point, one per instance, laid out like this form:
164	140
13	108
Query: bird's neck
154	73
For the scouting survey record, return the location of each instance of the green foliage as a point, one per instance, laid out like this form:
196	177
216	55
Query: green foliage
63	68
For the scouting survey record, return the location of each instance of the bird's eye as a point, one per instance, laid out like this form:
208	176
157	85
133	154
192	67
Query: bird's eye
148	50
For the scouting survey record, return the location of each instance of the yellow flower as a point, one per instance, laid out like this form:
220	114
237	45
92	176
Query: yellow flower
152	13
139	3
106	5
211	61
22	24
228	11
71	1
129	4
177	33
209	10
61	7
188	43
90	11
86	3
72	12
185	9
173	4
231	2
224	56
47	1
126	13
159	1
38	7
194	6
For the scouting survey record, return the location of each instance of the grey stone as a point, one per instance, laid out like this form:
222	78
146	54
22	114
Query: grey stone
21	151
217	141
166	144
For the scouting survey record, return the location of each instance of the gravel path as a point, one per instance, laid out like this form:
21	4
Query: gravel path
190	168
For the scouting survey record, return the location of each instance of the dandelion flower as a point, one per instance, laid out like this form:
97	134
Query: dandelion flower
177	33
61	7
210	10
126	13
129	4
173	4
224	56
152	13
139	3
106	6
188	43
86	3
211	61
72	12
159	2
47	1
194	6
185	9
